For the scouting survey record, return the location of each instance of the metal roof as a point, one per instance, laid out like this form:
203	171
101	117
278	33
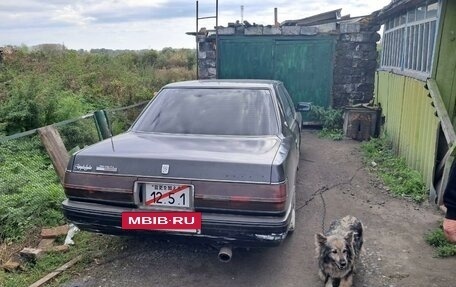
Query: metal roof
330	16
394	8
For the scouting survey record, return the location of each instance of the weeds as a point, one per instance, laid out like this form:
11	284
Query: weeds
90	245
402	180
335	135
437	239
331	121
30	191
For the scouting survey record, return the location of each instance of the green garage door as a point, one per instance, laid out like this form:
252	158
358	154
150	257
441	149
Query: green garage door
305	65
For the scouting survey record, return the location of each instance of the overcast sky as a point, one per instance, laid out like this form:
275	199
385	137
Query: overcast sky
145	24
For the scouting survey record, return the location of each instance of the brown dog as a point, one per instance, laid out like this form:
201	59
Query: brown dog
337	251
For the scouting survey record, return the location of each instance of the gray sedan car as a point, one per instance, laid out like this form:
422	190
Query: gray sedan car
226	149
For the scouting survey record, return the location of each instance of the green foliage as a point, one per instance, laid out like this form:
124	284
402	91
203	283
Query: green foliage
79	134
30	192
402	180
335	135
89	245
443	247
331	121
39	88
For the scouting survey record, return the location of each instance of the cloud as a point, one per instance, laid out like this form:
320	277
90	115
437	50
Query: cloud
72	15
130	24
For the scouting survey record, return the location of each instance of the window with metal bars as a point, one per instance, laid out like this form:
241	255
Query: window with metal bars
409	40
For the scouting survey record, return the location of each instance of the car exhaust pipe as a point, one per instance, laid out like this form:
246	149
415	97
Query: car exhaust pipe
225	254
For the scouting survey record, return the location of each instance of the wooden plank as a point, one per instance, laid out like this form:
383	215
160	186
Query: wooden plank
442	113
443	169
446	62
56	272
53	143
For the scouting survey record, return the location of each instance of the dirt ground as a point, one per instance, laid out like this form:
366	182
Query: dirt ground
395	252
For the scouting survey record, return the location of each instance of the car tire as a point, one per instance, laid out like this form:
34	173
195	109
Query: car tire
292	224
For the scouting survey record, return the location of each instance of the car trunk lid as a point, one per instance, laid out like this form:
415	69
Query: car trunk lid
220	158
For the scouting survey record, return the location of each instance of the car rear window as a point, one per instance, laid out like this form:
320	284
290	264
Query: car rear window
210	112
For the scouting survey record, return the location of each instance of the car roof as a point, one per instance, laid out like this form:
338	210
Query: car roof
224	84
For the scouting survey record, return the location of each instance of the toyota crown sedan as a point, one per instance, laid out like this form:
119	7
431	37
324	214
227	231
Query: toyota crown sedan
225	149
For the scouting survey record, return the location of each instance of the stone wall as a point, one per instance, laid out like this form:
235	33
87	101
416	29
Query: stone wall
207	57
355	63
355	59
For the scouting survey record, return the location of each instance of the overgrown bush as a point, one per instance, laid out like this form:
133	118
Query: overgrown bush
331	121
43	87
30	191
79	134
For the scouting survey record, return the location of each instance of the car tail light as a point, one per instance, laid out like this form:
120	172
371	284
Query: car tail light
242	197
96	187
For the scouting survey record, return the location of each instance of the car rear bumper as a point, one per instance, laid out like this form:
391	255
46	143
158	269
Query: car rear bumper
236	230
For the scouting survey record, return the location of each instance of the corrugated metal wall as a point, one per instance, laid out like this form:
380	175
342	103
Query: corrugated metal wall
410	120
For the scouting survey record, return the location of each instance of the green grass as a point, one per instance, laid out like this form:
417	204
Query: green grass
89	245
30	191
335	135
401	180
437	239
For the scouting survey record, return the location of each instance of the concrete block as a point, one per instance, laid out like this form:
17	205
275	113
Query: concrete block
54	232
46	243
345	37
362	37
210	55
203	74
226	31
211	64
309	31
272	31
212	72
350	28
201	55
349	88
291	30
240	30
326	28
254	30
31	254
205	46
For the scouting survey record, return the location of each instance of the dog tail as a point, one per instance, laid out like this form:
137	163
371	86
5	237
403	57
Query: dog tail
358	240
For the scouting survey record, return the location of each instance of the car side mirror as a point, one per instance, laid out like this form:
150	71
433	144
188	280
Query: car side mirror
304	107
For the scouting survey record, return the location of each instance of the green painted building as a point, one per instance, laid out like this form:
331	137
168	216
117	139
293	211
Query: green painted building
416	85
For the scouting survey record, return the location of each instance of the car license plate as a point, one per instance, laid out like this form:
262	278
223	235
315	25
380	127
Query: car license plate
168	195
